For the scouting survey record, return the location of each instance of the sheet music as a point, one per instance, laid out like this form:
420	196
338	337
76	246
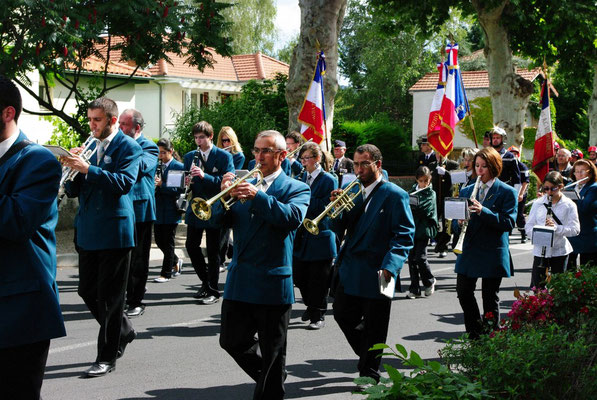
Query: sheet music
175	179
386	287
458	176
543	235
456	208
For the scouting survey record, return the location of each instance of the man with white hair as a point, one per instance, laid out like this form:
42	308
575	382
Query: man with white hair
562	164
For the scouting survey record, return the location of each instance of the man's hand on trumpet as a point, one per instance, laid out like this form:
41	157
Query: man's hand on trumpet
335	193
244	191
76	163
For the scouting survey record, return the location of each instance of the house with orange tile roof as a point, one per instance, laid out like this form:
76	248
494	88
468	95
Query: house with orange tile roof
159	91
476	84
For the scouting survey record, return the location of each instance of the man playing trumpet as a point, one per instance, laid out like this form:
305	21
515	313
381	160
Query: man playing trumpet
259	292
379	234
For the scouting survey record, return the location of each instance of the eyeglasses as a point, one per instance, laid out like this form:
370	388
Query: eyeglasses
305	158
550	189
266	151
364	164
225	140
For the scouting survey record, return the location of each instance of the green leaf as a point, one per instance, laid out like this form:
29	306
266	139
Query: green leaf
402	350
415	359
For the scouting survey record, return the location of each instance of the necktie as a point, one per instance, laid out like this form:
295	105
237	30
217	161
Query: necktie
482	192
100	152
309	178
336	164
264	186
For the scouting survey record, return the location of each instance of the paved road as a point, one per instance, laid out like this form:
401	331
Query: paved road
176	354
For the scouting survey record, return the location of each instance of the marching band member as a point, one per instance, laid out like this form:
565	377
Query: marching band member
31	316
105	229
442	185
293	141
205	183
313	254
259	293
143	195
562	214
227	140
585	243
167	215
425	218
485	252
379	234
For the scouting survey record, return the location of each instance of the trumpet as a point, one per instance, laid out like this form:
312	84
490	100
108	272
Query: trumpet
69	174
295	152
202	208
458	248
345	201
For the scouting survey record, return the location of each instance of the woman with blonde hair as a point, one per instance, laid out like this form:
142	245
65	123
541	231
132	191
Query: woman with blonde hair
228	141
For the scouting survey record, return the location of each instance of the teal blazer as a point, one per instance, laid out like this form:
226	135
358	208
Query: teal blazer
217	164
264	228
308	247
377	239
586	241
106	218
486	250
29	306
143	192
165	197
238	159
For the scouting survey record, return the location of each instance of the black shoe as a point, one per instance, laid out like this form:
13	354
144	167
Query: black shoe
208	300
135	311
100	369
305	317
313	326
200	294
125	341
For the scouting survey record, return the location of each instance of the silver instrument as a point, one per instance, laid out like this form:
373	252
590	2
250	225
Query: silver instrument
458	247
182	202
68	173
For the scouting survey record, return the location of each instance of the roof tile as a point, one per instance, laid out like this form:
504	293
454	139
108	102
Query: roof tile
470	79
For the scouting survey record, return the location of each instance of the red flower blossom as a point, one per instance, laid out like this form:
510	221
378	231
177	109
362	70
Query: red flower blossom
578	273
584	310
488	315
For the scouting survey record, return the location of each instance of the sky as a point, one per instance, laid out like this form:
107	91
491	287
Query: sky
288	21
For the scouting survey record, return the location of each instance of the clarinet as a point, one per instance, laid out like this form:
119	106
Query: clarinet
544	248
459	246
183	201
159	171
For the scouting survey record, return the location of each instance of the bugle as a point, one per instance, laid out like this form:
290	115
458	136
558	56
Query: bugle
202	208
458	248
344	201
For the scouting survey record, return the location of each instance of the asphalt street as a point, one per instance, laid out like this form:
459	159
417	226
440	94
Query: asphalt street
177	356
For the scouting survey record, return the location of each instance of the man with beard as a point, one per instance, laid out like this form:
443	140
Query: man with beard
105	229
29	179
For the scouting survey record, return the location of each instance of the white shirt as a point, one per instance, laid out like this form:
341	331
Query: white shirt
205	154
269	180
106	142
167	164
7	143
567	213
313	175
367	191
488	185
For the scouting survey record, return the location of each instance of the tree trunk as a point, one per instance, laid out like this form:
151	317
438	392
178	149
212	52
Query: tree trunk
509	91
593	111
321	20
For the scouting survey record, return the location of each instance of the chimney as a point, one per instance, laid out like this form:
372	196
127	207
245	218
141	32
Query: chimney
259	65
162	67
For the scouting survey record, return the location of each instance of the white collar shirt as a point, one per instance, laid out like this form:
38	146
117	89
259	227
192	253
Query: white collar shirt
313	175
567	213
268	180
7	143
367	191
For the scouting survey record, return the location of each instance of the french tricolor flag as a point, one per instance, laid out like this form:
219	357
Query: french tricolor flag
312	114
434	122
544	137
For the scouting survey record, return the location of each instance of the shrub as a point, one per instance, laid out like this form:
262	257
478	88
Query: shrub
428	380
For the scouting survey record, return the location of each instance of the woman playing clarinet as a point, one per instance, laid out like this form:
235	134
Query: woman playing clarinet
485	251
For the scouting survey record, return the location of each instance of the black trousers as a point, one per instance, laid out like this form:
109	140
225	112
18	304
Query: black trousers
419	267
164	239
465	288
102	282
556	265
520	220
263	357
364	322
313	280
137	279
22	370
208	273
225	244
